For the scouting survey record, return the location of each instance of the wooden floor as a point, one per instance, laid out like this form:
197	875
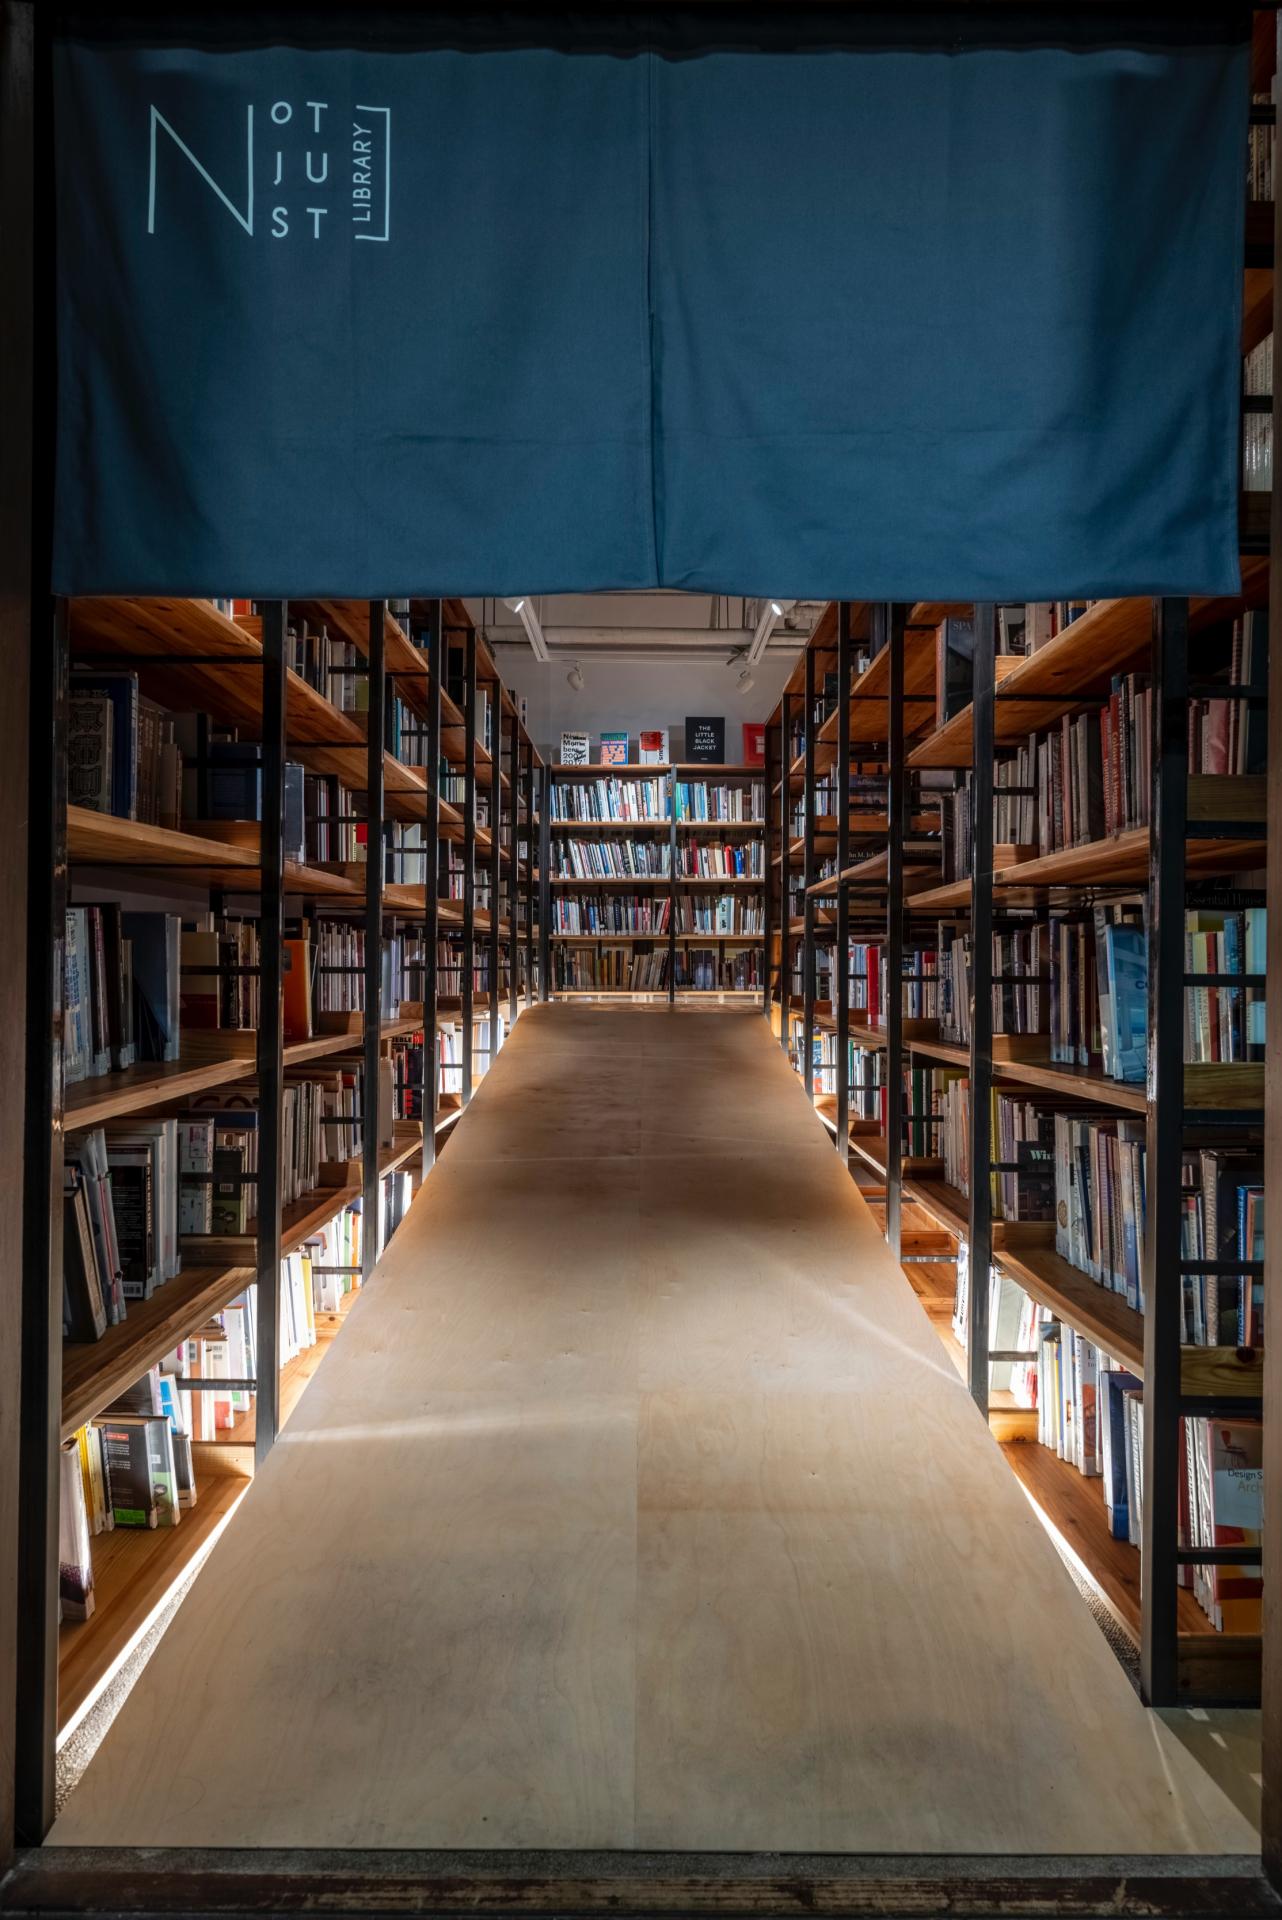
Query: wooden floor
639	1506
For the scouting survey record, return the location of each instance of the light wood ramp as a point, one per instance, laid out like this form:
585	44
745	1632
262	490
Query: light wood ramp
639	1506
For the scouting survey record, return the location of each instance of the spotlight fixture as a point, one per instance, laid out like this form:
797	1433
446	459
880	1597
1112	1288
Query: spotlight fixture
745	681
575	677
772	611
529	619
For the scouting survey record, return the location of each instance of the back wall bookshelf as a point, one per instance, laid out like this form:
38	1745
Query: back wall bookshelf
654	882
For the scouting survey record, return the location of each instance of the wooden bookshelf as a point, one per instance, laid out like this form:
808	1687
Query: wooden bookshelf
190	656
675	884
1225	816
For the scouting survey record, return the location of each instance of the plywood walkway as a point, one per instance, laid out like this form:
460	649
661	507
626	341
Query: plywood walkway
639	1506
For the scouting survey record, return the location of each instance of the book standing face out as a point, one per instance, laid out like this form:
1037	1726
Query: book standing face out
614	749
754	743
652	746
706	740
576	749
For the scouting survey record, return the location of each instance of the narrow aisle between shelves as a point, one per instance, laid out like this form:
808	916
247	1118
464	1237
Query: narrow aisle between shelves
640	1506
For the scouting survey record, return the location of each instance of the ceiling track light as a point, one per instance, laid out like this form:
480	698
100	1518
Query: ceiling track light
772	610
529	619
574	677
745	681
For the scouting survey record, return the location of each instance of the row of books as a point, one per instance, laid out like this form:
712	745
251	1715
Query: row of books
449	1048
138	1191
586	969
123	755
1094	1002
867	981
134	982
864	1070
1013	1320
708	970
1085	1171
1259	166
718	913
121	986
612	799
1089	775
1100	1223
1024	628
453	878
1257	428
1227	735
718	800
453	787
1091	1413
618	859
1019	968
735	860
132	1466
612	913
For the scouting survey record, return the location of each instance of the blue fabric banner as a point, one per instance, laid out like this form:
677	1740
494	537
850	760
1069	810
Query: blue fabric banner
823	319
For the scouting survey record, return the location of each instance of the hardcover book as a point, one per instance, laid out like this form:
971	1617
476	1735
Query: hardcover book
653	746
576	749
90	729
614	749
705	740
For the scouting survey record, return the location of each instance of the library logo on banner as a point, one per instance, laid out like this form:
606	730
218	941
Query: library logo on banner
308	169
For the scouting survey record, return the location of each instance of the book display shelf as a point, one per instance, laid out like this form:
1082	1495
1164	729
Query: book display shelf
293	916
653	882
1081	1012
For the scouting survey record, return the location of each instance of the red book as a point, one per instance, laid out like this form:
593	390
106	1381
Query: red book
754	743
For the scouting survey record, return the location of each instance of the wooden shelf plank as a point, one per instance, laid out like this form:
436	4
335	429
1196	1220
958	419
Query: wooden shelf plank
1222	1373
1075	668
1073	1506
95	1372
90	1102
135	1569
159	632
1096	1087
305	1216
1092	1310
595	770
721	826
869	695
215	1058
1122	859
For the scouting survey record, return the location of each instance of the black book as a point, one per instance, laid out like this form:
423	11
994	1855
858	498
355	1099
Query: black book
127	1459
134	1208
706	741
954	668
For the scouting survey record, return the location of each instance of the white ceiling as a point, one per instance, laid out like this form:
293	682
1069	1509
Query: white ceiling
659	625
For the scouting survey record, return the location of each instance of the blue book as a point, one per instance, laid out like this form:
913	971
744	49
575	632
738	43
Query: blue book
1113	1450
1127	951
1250	1246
